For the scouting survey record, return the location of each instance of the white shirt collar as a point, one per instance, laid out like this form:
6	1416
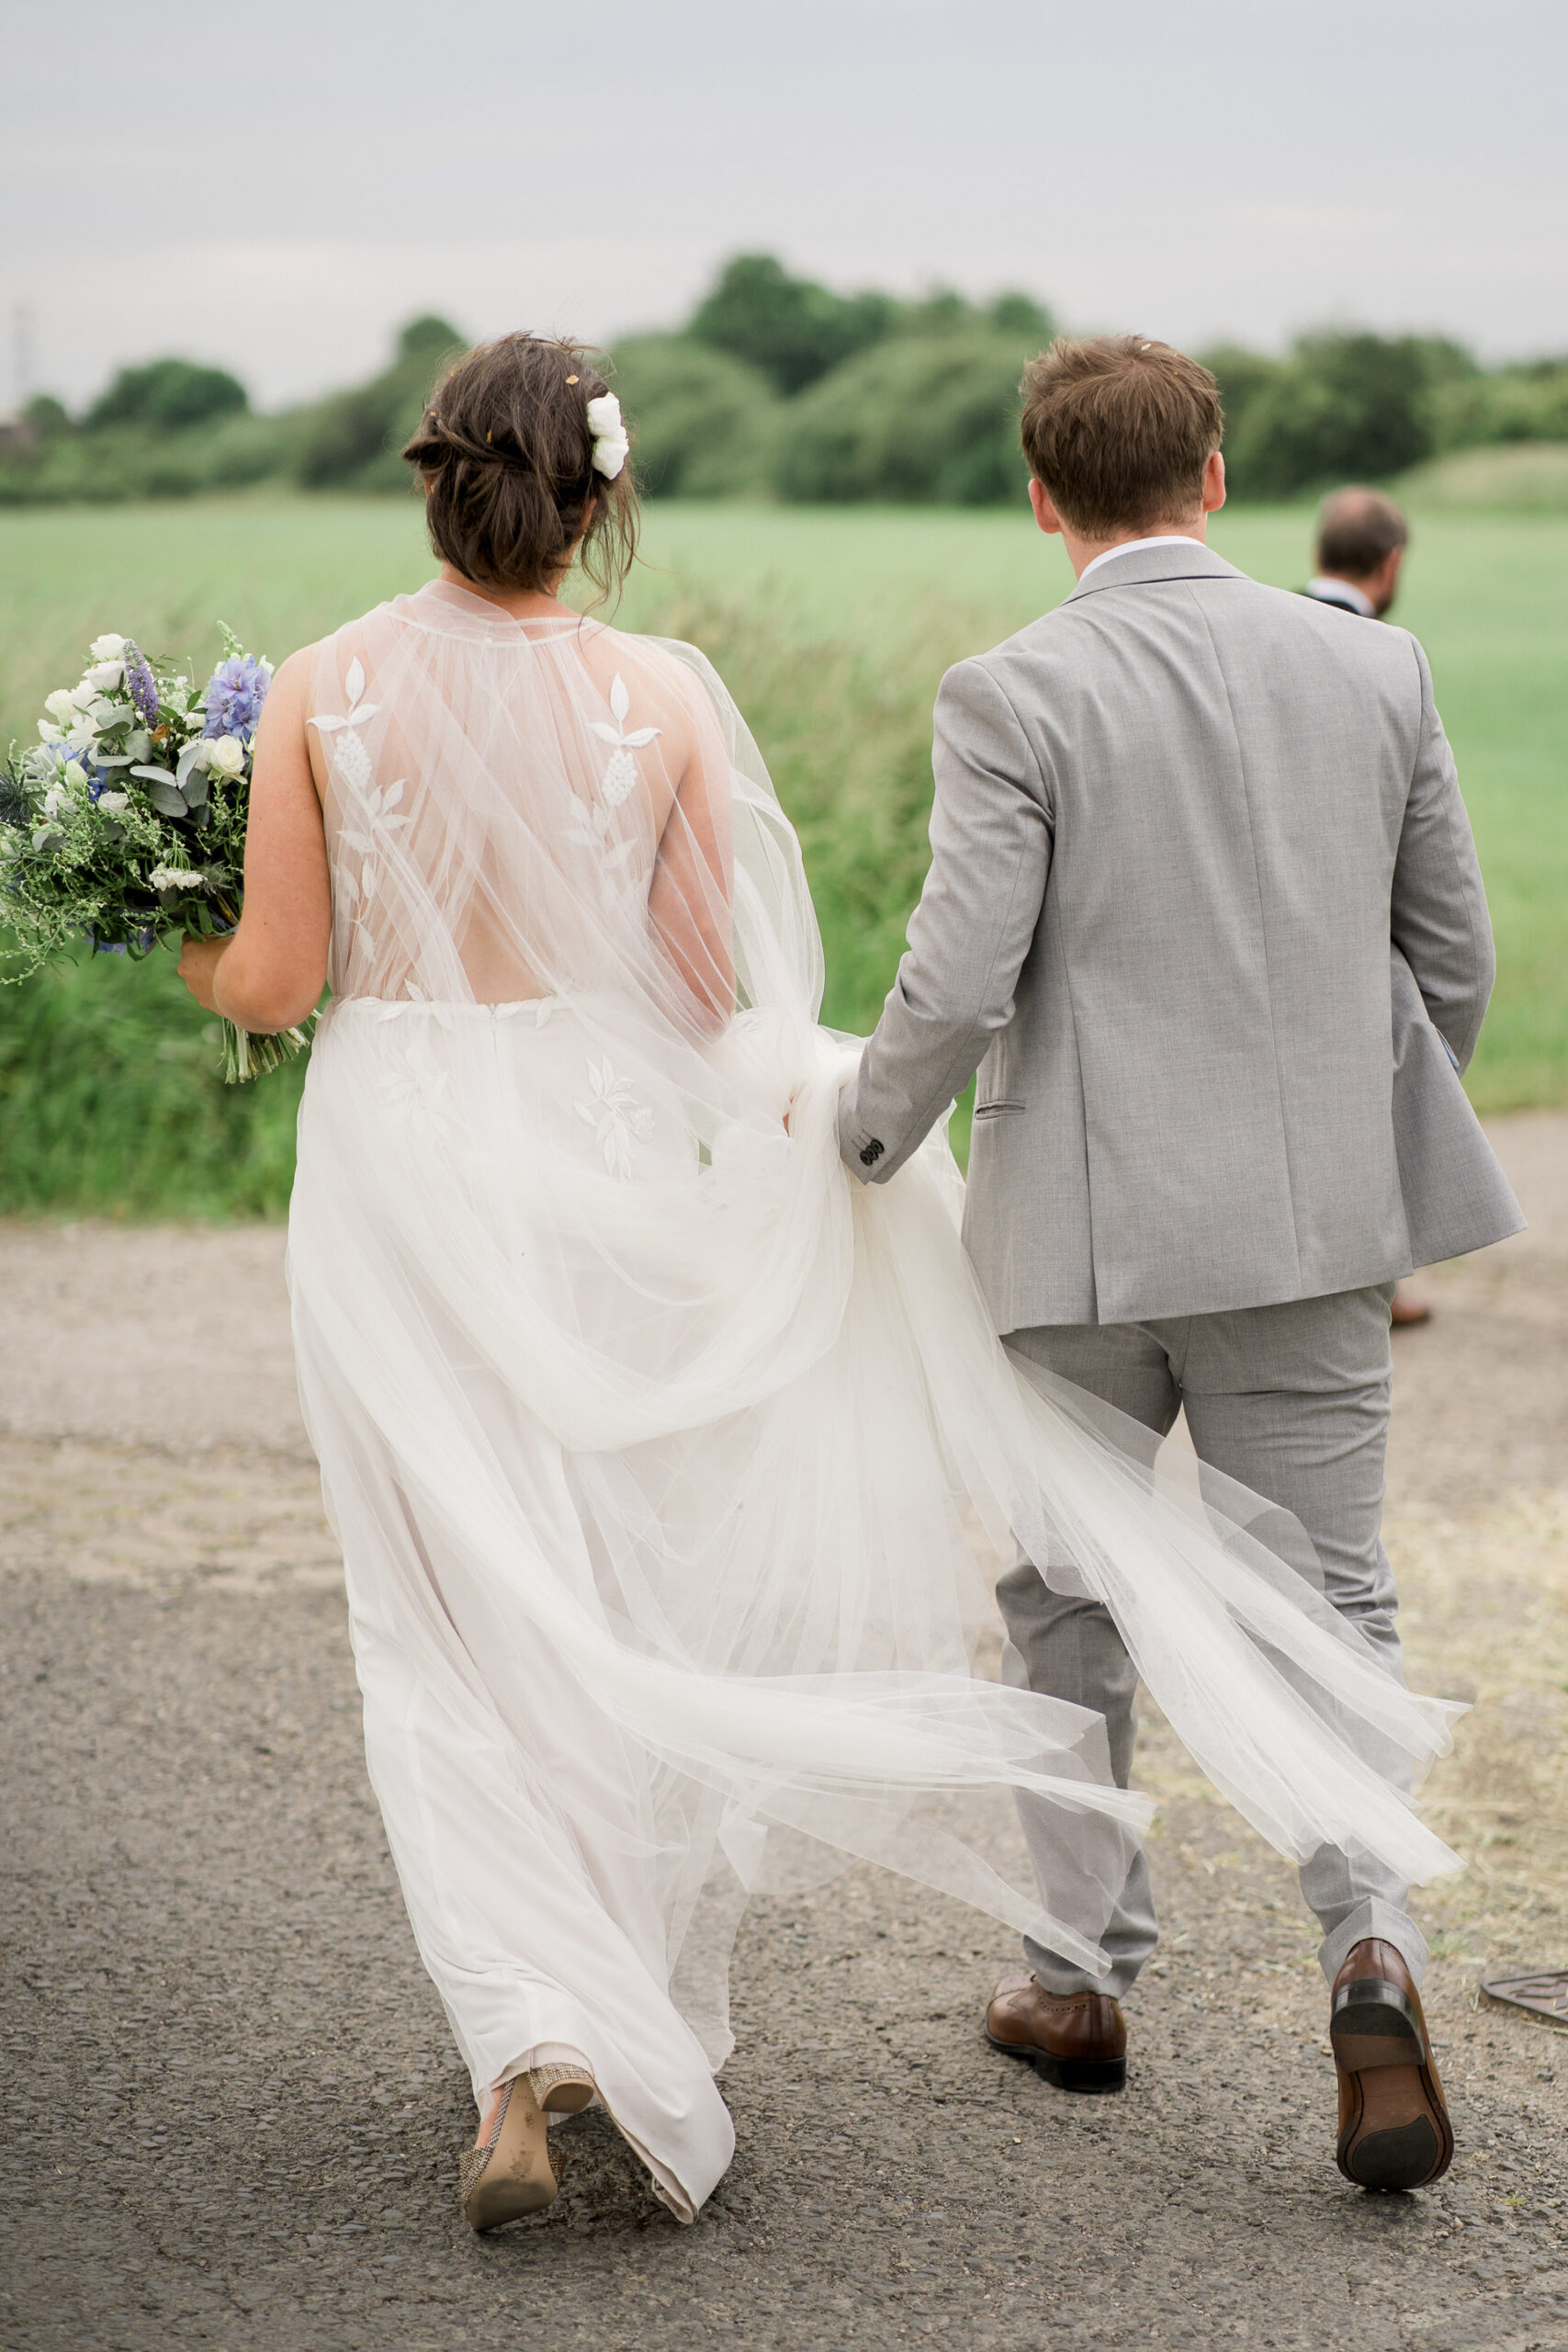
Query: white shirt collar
1136	547
1329	591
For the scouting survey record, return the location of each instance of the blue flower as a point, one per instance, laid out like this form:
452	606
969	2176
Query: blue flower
139	684
234	694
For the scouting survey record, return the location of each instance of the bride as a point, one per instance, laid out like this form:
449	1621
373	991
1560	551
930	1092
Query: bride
662	1453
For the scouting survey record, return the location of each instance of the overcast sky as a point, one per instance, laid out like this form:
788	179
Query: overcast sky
276	187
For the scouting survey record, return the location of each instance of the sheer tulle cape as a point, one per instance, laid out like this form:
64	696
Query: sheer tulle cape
665	1454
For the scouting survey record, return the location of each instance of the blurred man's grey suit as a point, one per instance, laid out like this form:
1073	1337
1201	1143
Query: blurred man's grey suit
1204	909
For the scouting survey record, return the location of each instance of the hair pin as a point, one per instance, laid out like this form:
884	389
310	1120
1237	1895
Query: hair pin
572	379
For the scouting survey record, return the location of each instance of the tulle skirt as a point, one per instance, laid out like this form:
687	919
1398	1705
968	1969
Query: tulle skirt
667	1461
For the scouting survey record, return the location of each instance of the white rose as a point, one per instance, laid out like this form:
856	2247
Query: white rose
113	802
62	706
103	675
611	447
225	756
108	649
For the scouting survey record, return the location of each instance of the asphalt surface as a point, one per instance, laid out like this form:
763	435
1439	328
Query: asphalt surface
231	2112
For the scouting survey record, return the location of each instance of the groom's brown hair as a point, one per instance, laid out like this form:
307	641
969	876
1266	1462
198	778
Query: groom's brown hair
1120	430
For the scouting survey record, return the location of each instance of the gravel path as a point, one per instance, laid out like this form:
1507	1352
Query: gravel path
231	2109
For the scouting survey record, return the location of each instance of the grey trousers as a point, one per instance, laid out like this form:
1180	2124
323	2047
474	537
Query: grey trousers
1293	1402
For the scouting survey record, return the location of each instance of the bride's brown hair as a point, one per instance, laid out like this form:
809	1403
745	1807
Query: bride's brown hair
506	454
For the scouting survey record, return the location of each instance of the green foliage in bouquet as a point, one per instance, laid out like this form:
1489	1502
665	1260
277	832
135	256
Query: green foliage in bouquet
124	825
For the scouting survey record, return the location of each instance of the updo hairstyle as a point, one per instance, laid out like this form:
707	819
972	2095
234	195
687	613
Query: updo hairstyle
505	452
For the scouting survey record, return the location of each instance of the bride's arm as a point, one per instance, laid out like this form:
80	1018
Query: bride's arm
689	903
270	971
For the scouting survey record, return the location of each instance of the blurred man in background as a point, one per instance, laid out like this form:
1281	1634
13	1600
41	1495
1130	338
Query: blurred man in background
1361	539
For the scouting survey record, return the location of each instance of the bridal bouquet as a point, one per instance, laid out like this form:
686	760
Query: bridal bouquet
125	823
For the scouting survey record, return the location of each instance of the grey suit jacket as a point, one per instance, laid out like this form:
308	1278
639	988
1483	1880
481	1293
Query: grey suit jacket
1204	909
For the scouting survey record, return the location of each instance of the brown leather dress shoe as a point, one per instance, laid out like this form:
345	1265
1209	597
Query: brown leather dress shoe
1077	2040
1406	1311
1393	2125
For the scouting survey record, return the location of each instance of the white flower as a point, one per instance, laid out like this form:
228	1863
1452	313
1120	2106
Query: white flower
103	675
49	732
61	708
611	447
111	803
225	755
175	878
84	696
107	649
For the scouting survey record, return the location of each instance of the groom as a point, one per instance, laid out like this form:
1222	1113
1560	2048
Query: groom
1204	911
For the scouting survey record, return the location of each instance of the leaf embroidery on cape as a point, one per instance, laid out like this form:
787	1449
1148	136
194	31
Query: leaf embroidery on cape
620	778
616	1115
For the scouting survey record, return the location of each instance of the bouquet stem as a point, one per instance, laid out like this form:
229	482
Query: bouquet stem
248	1055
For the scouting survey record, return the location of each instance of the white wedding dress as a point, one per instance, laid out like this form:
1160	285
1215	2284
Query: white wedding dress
664	1454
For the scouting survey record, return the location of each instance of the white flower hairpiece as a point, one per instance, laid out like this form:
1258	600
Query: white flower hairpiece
611	447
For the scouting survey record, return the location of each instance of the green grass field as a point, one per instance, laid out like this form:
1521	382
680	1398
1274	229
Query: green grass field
832	629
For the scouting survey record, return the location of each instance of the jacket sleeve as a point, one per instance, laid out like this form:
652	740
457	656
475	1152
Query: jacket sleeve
1440	923
991	835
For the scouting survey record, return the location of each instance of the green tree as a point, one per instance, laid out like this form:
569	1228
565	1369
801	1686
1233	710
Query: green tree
46	418
1341	408
1020	314
704	424
1242	377
350	441
792	329
930	418
165	396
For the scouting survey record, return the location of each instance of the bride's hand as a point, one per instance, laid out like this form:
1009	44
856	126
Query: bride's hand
199	959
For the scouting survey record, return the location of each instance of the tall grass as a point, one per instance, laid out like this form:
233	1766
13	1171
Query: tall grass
832	632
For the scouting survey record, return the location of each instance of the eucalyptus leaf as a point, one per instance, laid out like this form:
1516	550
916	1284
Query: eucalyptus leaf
188	758
154	774
194	788
167	798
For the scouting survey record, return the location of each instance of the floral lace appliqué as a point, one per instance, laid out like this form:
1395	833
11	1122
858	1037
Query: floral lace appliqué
354	877
616	1116
619	780
596	827
417	1085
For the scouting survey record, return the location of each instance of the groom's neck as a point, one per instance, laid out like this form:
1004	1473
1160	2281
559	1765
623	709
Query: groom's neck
1081	552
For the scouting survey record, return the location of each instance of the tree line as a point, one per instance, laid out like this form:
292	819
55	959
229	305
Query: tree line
778	387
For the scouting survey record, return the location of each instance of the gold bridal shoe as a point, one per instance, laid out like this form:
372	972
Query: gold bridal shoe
511	2171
